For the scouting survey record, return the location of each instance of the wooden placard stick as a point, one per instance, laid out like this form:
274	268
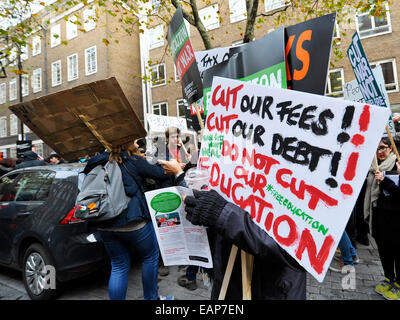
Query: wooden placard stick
228	273
392	142
200	119
247	272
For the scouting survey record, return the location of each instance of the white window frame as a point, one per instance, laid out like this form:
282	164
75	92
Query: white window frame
88	68
156	37
37	80
178	101
55	30
3	127
71	72
3	93
331	93
396	79
13	125
25	85
237	10
71	28
36	46
89	23
271	5
153	85
12	86
176	76
56	73
155	105
13	153
210	17
24	52
372	18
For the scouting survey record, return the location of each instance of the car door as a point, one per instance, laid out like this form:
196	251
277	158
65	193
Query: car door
28	193
6	187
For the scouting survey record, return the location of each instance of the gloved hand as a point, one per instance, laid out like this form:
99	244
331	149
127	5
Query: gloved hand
204	208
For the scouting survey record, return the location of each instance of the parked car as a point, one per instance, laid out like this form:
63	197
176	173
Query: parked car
38	232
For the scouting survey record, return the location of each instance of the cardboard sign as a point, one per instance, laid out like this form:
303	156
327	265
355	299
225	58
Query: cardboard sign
184	58
366	79
86	119
23	146
294	161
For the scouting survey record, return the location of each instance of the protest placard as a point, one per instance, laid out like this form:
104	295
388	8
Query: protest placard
161	123
180	242
370	82
184	58
294	161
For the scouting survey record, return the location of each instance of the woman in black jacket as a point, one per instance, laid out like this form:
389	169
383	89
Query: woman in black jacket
386	230
133	227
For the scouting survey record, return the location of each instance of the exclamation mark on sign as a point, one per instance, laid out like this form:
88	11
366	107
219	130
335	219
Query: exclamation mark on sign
357	141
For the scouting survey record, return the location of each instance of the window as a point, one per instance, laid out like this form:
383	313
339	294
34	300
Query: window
13	89
55	36
72	28
91	60
72	65
56	73
89	17
156	36
2	93
155	4
389	74
25	85
3	127
177	79
238	10
369	26
37	80
13	153
335	83
274	4
24	53
180	108
26	129
13	125
33	186
158	75
5	184
210	17
36	45
160	109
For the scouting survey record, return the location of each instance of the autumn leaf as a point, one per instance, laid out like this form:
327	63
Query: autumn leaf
106	42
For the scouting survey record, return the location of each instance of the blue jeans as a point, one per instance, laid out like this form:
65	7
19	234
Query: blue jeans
118	245
347	250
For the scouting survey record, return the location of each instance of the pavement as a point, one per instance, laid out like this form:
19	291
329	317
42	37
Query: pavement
336	286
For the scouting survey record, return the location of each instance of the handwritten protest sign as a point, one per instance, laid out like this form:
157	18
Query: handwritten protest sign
184	58
284	157
161	123
374	92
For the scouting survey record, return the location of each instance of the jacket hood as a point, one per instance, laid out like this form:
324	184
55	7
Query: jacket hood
30	155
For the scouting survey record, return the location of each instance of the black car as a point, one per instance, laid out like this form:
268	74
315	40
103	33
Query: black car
38	232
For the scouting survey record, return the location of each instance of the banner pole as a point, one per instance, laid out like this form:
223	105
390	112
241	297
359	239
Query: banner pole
200	120
228	273
392	142
247	272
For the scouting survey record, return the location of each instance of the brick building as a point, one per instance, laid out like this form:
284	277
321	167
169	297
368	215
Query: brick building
226	22
64	55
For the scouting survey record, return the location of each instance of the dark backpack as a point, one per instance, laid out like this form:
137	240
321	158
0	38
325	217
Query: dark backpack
102	196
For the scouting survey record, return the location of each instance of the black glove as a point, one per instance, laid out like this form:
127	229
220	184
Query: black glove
204	208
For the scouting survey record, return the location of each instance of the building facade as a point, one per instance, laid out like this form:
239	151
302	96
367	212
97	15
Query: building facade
63	55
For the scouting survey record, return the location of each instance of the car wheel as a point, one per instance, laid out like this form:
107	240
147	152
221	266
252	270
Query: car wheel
37	273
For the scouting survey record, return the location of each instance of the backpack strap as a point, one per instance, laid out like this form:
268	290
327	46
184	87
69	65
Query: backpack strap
133	177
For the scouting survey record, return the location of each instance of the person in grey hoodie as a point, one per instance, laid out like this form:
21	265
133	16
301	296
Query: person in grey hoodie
30	160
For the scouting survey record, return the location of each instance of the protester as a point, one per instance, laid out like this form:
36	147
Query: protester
133	227
386	160
55	159
386	230
30	160
347	252
276	275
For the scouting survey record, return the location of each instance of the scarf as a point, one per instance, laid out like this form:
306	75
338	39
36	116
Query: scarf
372	188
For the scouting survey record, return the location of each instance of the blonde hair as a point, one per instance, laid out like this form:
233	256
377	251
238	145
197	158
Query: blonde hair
128	147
